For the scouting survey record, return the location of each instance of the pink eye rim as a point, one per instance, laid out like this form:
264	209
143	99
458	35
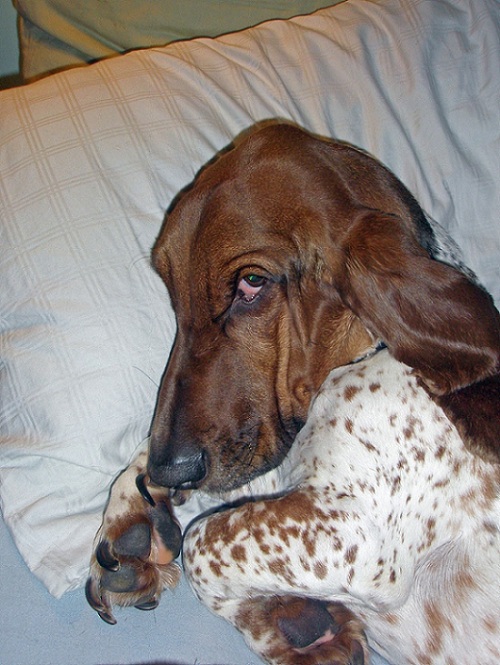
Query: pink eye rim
250	286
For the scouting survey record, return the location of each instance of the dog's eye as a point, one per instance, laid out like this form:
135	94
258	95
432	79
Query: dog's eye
249	287
254	280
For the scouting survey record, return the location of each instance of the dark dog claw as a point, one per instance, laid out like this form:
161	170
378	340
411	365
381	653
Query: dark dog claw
357	656
107	617
140	483
147	605
104	557
97	603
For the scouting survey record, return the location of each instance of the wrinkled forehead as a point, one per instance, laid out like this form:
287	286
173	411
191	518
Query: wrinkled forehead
281	196
255	199
215	233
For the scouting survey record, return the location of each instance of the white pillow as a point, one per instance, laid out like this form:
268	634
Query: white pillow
91	158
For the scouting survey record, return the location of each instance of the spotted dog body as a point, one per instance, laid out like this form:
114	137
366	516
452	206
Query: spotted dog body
393	517
380	512
361	486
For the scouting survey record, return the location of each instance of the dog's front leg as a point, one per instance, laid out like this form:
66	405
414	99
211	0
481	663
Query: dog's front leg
279	570
135	547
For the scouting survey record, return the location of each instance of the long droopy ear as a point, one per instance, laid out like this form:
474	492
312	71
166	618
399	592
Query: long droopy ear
430	316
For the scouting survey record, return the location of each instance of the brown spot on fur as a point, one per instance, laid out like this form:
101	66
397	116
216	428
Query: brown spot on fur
320	570
350	393
431	531
215	568
393	619
395	485
351	554
491	624
490	487
409	430
437	625
258	534
239	553
440	451
464	582
369	446
442	483
280	568
419	455
310	544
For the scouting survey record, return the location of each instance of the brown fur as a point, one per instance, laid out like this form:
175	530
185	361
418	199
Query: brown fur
341	245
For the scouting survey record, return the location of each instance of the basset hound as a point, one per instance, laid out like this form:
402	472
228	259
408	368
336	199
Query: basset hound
334	382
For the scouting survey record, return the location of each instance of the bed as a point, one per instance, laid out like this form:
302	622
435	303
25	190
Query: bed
90	159
57	34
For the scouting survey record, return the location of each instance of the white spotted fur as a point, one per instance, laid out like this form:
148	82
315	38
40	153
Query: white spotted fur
421	513
408	535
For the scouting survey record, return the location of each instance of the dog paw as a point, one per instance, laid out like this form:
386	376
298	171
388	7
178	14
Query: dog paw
133	561
321	633
291	630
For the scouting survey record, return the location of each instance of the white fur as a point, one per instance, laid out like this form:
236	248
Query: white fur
397	490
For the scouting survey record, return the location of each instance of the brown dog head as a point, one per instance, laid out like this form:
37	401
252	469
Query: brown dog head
291	255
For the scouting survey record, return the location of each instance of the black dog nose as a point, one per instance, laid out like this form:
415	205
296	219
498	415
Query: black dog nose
179	467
